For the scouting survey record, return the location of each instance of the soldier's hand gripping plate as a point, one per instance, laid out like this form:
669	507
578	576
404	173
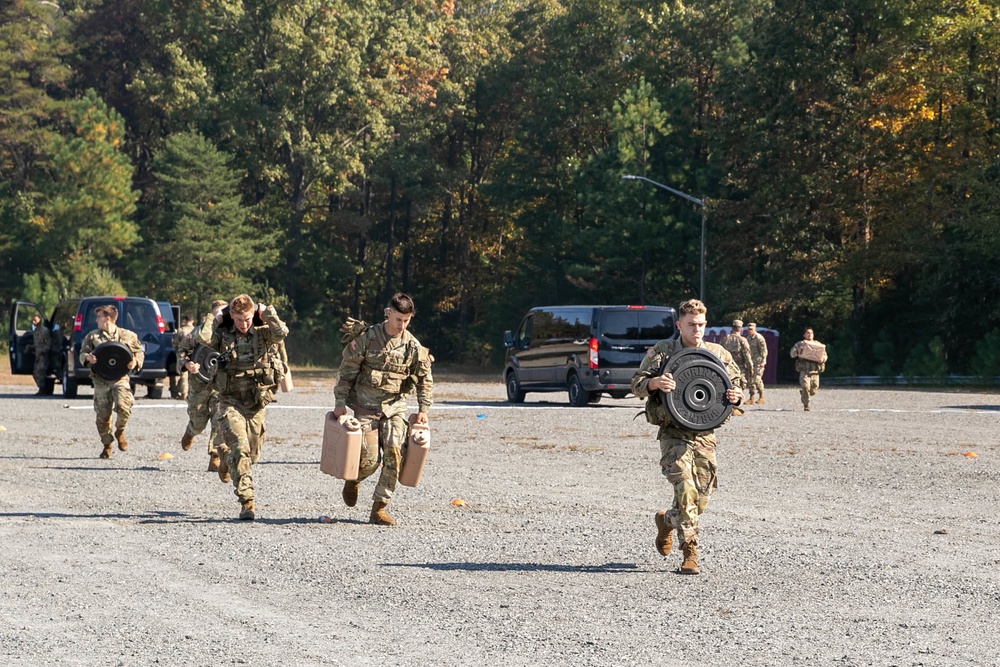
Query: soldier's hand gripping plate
113	359
208	362
699	401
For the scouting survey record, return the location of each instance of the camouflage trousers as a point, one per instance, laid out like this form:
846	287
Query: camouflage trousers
387	450
202	408
756	385
41	372
112	397
689	465
745	374
243	432
808	386
179	385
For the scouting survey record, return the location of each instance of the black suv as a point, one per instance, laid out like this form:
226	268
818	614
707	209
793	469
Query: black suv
583	350
73	319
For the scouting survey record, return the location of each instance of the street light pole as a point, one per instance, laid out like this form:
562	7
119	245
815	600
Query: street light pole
704	219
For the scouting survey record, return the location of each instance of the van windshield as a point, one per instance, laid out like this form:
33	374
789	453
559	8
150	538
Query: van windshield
638	325
138	316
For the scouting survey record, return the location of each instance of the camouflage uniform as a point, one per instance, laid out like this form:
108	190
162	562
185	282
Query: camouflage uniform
112	396
687	458
758	353
179	380
376	376
246	385
808	374
739	348
41	342
202	398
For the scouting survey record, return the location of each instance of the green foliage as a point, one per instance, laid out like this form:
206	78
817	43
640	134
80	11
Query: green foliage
41	290
926	361
986	363
884	354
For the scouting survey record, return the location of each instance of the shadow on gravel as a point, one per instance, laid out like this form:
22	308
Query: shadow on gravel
164	517
993	408
530	404
607	568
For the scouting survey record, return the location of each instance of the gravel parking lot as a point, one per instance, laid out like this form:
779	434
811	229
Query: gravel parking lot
864	532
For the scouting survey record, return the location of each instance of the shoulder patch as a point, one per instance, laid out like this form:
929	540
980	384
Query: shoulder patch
651	352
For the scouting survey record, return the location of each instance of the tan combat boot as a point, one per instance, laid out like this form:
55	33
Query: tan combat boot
379	516
224	465
122	441
664	534
247	513
690	564
761	399
350	492
213	461
750	401
186	441
106	453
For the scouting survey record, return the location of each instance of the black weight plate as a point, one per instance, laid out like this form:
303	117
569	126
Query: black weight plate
112	360
699	402
208	362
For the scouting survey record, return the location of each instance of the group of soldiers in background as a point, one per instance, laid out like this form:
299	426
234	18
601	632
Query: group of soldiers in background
750	354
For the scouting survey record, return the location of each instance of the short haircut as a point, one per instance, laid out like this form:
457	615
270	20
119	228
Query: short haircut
808	329
241	304
691	307
108	310
402	304
219	303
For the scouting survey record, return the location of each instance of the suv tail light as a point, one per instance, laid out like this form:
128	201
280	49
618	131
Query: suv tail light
160	326
78	322
593	353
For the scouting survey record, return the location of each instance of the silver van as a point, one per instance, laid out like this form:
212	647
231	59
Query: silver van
585	351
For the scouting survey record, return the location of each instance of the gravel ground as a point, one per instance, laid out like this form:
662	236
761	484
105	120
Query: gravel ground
864	532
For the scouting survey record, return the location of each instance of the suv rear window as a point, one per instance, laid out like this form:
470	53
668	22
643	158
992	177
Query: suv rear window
132	315
637	325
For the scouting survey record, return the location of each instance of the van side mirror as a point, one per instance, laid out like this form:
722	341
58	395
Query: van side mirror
508	339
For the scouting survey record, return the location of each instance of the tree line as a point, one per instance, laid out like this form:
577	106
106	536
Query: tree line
322	154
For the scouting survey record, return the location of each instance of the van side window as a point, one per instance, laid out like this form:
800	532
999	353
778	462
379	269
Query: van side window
620	325
524	333
140	316
655	325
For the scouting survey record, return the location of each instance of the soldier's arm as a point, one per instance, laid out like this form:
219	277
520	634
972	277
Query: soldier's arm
276	329
648	369
86	349
208	333
763	350
350	367
138	354
795	350
425	384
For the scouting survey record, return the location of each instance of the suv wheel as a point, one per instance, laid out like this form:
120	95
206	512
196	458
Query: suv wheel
578	396
514	392
154	390
68	383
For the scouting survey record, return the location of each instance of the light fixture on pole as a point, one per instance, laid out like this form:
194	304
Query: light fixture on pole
694	200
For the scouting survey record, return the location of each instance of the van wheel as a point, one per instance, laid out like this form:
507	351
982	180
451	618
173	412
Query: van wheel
69	385
514	392
618	394
578	396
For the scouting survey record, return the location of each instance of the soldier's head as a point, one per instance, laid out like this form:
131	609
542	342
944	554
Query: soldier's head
737	326
106	316
808	334
187	320
35	321
398	313
241	310
691	323
752	328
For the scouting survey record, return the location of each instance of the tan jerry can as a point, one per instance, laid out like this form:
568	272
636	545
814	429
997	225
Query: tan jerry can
418	446
286	382
812	351
341	454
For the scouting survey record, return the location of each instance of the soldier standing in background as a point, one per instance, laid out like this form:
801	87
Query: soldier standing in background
739	348
202	398
808	369
687	458
382	364
111	395
758	352
246	380
179	380
41	341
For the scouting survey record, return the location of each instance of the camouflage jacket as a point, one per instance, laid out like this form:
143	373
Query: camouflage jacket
758	348
185	342
41	339
119	335
378	372
739	348
653	363
247	376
